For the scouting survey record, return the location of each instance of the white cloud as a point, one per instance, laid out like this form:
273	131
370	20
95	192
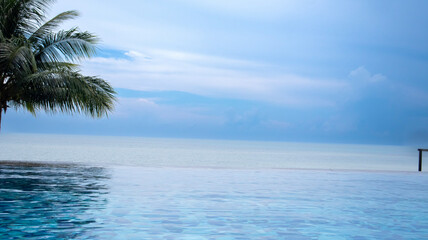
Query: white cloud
149	110
213	76
362	74
147	101
135	54
362	83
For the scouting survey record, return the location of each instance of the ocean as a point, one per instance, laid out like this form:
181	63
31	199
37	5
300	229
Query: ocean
198	153
87	187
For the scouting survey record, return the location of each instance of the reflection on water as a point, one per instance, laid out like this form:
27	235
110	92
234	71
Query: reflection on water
59	201
51	201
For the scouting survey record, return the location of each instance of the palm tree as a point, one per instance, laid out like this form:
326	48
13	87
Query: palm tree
38	69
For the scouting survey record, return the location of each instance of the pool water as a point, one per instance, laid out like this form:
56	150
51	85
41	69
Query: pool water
75	201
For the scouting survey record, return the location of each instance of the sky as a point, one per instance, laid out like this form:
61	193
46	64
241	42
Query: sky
334	71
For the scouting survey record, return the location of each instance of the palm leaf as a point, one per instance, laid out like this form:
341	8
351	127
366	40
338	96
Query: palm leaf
22	17
66	91
50	25
37	65
17	59
68	45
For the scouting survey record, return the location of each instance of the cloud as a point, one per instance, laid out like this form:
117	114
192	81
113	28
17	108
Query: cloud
148	110
164	70
290	62
362	84
363	75
135	54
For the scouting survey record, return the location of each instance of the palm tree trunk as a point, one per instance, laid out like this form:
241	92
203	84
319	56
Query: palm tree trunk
2	109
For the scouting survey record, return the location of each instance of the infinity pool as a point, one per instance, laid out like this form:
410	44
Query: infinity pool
66	201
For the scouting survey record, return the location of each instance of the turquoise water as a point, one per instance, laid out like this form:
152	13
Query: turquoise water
118	195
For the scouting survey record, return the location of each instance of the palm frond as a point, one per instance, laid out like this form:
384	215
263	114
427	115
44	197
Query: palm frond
37	69
70	45
22	16
42	66
50	25
17	59
66	91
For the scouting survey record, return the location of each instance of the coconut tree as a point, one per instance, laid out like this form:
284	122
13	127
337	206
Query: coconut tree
38	64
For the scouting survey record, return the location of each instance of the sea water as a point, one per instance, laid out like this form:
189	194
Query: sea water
198	153
65	187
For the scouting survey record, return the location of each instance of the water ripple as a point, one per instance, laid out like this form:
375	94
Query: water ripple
49	200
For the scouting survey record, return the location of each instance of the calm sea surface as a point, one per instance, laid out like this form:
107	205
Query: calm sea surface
65	187
159	152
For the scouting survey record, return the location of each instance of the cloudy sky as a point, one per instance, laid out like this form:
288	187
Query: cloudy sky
303	70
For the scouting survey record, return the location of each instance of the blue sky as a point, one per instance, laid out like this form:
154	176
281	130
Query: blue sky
313	71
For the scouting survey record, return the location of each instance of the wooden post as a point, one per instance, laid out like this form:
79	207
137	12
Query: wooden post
420	157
